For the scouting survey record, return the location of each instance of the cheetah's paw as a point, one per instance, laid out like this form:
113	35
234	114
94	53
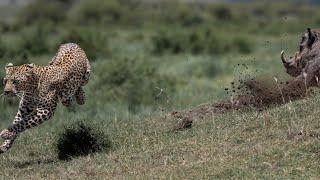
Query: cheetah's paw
6	134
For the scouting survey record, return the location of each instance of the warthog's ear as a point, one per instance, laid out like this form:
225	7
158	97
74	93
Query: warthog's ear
311	38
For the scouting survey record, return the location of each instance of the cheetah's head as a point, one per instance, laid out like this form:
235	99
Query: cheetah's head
18	79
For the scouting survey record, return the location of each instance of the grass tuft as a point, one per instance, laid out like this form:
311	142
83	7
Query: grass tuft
80	140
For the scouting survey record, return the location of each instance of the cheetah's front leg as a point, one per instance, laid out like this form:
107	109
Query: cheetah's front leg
43	111
6	145
26	107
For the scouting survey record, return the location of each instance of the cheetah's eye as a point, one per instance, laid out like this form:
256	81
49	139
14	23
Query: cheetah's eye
16	81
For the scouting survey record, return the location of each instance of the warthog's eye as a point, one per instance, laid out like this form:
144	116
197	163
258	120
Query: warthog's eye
16	81
300	48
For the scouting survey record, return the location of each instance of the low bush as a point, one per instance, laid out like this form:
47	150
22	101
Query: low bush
174	12
93	41
96	11
199	41
34	40
2	48
42	11
13	52
242	45
5	27
134	82
222	13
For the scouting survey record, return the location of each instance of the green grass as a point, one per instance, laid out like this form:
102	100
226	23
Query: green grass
233	145
238	145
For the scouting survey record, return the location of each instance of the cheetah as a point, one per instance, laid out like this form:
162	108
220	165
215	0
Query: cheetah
42	87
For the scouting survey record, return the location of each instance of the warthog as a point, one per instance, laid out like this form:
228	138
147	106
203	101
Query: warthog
306	62
304	66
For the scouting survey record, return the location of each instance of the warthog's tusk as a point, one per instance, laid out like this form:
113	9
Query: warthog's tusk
283	58
297	57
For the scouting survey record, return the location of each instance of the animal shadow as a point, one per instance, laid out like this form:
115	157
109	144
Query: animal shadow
27	163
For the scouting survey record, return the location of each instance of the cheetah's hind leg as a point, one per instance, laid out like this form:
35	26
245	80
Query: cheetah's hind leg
66	101
80	96
85	77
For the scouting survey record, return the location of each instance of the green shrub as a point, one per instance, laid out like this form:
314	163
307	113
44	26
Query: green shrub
167	42
12	52
81	139
134	82
199	41
173	12
21	57
3	48
4	27
94	42
96	11
222	13
242	45
131	12
42	11
34	40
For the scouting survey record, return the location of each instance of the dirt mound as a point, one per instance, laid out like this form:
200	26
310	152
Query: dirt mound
249	94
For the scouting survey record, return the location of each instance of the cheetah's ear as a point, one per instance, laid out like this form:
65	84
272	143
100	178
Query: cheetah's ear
30	71
9	65
30	65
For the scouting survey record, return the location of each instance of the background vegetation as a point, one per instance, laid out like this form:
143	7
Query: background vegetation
151	58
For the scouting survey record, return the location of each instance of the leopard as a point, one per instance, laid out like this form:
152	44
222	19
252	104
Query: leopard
41	88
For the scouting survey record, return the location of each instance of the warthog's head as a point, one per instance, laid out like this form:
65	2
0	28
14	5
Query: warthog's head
309	49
